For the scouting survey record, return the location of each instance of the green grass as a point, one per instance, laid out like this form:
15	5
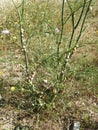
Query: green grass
45	98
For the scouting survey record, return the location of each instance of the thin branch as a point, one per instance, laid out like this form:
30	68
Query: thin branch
62	28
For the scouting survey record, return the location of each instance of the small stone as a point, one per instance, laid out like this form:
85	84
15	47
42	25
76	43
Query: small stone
6	31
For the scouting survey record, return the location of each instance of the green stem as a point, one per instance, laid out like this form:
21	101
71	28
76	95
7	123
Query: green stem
23	43
87	10
69	53
62	28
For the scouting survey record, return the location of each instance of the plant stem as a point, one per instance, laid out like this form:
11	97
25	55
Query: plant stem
62	28
22	40
68	54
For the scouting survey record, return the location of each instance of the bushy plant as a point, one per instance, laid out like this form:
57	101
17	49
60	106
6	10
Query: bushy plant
47	47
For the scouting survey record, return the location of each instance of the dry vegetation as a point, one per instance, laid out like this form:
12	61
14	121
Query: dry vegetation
76	98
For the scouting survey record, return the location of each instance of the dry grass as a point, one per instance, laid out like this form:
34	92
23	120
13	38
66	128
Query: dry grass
79	98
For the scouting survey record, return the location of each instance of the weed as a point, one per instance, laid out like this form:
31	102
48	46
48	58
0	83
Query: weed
56	75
